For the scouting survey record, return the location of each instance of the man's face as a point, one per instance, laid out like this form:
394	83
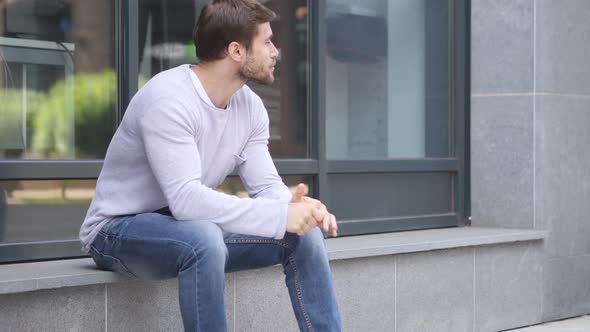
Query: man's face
261	58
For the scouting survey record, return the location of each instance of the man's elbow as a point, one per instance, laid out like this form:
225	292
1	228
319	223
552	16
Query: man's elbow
182	209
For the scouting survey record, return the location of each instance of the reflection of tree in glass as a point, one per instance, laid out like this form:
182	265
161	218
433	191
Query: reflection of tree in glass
12	106
94	104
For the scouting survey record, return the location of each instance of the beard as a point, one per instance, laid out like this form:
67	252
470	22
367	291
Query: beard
256	71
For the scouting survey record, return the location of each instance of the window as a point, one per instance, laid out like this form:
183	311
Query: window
58	85
58	112
43	210
392	113
388	96
368	107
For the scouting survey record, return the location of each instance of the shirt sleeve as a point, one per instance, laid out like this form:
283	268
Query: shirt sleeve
168	135
257	170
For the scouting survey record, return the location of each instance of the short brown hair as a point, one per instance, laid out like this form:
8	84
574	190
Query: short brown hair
224	21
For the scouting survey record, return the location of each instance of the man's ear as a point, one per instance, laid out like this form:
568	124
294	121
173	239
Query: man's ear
236	51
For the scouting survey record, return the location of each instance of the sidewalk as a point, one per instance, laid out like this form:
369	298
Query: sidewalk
577	324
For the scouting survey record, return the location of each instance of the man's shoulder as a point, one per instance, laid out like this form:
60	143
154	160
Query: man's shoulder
247	95
171	80
166	92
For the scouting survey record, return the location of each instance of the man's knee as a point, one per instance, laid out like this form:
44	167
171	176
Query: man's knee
205	245
312	243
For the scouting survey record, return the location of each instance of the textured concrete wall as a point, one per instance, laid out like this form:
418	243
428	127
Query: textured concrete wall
530	113
486	288
502	113
563	154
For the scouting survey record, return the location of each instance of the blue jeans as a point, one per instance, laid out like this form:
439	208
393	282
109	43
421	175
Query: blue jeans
156	246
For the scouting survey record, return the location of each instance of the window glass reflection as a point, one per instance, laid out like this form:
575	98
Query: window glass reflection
57	78
387	79
43	210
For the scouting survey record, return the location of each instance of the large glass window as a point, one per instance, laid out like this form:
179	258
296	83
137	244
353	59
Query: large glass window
368	107
388	79
59	106
393	122
58	85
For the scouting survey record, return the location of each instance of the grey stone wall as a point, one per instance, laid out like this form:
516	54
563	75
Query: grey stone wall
484	288
530	142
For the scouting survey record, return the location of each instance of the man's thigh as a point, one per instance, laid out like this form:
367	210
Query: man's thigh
251	252
153	245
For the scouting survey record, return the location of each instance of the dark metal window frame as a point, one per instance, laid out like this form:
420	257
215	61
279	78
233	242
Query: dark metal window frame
319	166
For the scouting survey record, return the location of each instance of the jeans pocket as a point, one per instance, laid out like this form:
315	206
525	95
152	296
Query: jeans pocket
110	263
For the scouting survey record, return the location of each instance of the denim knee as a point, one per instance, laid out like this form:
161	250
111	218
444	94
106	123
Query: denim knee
205	246
312	243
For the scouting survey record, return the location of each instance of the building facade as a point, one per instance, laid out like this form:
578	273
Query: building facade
447	136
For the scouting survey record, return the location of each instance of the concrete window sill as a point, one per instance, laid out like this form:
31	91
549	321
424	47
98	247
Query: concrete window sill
426	240
24	277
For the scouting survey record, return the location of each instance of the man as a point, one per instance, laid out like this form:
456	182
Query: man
155	213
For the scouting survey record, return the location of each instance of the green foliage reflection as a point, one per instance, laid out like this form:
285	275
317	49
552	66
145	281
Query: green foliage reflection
94	101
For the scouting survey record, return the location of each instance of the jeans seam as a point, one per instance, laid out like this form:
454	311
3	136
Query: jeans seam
268	241
300	294
153	239
198	297
187	245
115	258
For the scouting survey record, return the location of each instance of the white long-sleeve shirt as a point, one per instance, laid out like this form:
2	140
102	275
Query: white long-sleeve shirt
174	147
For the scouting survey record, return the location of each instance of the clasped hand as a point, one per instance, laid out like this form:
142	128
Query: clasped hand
306	213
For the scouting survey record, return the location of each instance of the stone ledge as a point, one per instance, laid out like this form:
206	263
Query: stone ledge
24	277
426	240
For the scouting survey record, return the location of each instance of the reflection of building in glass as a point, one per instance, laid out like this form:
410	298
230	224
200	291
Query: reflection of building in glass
165	34
290	125
388	96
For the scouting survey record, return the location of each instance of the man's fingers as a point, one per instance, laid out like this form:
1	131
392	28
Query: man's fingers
326	222
317	204
300	192
319	213
312	200
312	222
308	224
333	225
302	225
306	228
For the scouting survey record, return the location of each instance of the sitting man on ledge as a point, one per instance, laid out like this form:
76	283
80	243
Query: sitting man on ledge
156	213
